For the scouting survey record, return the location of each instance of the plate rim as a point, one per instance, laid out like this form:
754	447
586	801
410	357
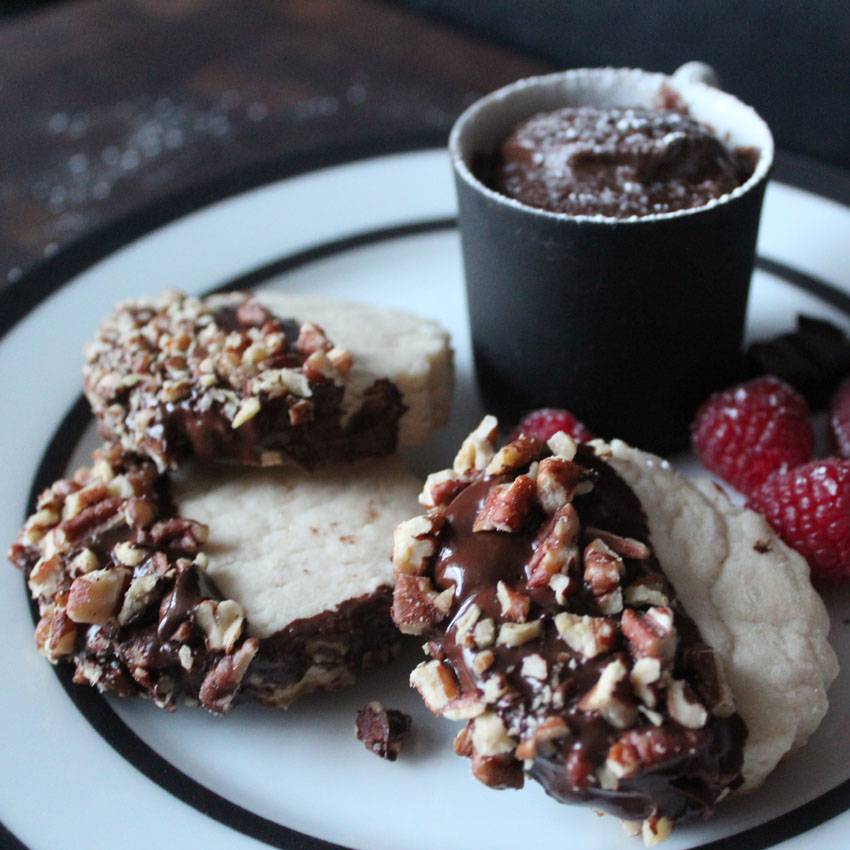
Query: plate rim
49	276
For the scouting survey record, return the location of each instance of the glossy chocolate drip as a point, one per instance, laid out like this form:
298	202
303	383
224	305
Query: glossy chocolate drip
700	764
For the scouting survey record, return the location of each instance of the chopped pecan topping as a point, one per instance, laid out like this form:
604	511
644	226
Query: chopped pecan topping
414	542
645	677
516	634
605	699
646	590
435	683
683	706
551	729
603	568
514	605
562	445
557	552
625	547
514	456
477	449
507	507
589	636
417	606
441	487
563	643
489	736
651	634
557	480
116	564
502	771
95	597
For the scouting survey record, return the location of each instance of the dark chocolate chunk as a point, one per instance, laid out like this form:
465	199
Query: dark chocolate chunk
382	730
813	359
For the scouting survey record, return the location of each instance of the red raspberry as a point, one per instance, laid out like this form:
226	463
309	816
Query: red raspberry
746	432
547	421
809	507
839	420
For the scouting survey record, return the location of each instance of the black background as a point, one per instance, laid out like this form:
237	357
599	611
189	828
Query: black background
788	58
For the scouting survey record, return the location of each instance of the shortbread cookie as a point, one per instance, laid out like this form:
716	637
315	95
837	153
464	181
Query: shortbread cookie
307	555
224	379
122	593
751	597
411	352
595	637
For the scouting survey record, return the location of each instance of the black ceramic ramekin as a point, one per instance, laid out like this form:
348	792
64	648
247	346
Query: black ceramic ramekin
629	323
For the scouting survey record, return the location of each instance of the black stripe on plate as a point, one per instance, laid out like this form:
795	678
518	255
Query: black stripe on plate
99	713
49	275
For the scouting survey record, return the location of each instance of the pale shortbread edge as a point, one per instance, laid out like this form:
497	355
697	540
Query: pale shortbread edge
288	545
757	609
413	352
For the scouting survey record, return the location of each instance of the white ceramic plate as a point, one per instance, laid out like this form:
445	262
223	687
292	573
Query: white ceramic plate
80	771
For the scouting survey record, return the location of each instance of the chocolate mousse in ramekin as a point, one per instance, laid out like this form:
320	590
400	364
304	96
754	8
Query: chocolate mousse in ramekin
609	220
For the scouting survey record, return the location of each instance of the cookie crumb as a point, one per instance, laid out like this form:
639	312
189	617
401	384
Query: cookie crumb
382	729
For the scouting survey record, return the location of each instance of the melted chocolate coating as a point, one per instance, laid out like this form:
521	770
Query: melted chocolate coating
699	765
617	162
167	378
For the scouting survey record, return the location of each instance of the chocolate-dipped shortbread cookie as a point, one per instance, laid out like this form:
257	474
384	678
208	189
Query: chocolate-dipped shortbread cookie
291	593
308	556
580	655
122	589
225	378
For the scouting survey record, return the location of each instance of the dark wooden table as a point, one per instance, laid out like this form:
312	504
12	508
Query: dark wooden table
109	107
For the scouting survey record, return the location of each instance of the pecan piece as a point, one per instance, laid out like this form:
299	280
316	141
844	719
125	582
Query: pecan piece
684	707
589	636
645	677
224	679
557	480
603	568
507	507
646	590
477	449
414	542
183	535
516	634
435	683
551	729
312	338
651	634
514	455
56	633
625	547
417	606
221	622
441	487
502	771
562	445
557	552
514	605
489	736
603	698
94	597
